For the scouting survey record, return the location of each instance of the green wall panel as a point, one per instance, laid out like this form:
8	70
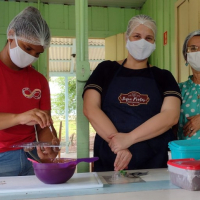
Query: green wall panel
7	12
102	23
2	41
71	18
115	15
128	14
42	64
65	17
159	40
172	36
146	9
163	12
57	22
97	19
153	14
166	48
3	15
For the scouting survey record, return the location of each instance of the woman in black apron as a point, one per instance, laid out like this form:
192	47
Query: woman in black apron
130	106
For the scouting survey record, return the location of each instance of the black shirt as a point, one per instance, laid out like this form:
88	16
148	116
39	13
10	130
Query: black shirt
105	71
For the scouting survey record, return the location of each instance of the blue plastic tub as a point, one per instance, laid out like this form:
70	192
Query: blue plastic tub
185	149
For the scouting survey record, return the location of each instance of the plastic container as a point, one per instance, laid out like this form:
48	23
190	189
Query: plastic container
58	170
185	149
185	173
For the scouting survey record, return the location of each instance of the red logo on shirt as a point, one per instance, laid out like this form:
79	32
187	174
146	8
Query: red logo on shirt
36	94
133	98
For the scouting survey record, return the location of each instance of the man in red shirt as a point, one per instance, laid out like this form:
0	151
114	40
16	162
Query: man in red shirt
24	93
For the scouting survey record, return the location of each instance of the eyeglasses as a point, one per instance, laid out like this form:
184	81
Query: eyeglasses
193	48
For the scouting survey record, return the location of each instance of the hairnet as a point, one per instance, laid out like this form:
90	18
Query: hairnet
141	19
184	50
30	27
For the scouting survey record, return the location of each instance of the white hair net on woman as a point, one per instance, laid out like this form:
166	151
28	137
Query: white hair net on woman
184	50
140	19
30	27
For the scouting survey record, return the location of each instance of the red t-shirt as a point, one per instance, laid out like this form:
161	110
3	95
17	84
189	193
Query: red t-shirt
21	91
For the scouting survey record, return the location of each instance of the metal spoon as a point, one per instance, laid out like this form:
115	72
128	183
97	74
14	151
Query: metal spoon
50	127
36	135
54	148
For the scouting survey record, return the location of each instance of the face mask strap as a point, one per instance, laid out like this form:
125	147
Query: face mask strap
16	40
9	44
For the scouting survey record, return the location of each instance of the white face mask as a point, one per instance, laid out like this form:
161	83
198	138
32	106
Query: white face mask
20	57
140	49
193	59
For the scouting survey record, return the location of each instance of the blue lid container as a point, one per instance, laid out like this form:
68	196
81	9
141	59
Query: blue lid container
185	149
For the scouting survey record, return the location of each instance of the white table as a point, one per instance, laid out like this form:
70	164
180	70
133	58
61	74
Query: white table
175	194
156	186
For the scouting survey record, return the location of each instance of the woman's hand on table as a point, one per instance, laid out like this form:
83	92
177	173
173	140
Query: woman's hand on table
49	152
192	126
119	141
122	159
35	116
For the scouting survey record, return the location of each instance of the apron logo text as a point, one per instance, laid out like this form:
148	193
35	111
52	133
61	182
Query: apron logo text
133	98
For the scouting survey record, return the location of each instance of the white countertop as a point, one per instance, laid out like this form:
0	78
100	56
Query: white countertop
175	194
156	186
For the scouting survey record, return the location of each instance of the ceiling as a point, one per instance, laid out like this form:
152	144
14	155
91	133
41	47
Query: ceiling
137	4
62	54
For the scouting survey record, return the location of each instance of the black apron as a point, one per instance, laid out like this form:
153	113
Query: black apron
129	102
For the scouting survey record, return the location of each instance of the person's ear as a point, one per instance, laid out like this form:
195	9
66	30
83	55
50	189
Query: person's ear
9	40
10	35
11	43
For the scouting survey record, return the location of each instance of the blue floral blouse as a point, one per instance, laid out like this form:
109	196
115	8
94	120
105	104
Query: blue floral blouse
190	106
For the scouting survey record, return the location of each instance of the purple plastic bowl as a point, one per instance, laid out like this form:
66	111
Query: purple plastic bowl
60	170
54	173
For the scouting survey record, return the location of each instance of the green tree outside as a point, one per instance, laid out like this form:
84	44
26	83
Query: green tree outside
58	105
58	99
